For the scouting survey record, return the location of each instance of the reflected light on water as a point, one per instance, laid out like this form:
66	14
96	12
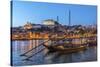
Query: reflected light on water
19	47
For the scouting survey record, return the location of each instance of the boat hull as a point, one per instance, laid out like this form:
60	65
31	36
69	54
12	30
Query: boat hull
65	50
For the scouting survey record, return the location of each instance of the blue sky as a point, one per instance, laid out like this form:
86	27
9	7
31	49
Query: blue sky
36	12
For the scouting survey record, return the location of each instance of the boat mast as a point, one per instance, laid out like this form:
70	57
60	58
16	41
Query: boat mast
69	24
69	18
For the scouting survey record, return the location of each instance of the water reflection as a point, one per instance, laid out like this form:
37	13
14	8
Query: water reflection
44	57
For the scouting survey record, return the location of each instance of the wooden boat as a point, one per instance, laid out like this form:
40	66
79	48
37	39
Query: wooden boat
63	49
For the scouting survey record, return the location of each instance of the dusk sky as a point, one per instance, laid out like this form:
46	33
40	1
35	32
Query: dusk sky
36	12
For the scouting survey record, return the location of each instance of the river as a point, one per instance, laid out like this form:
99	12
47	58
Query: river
44	57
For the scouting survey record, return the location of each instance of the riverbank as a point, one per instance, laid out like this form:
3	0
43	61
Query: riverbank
39	36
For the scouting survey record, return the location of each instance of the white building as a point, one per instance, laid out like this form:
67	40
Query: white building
31	26
49	22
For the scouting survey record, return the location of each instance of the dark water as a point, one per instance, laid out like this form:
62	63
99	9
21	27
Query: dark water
44	57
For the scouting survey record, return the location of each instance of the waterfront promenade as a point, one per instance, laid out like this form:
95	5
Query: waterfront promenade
30	36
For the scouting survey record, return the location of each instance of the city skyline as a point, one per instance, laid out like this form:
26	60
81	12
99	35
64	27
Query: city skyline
36	12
